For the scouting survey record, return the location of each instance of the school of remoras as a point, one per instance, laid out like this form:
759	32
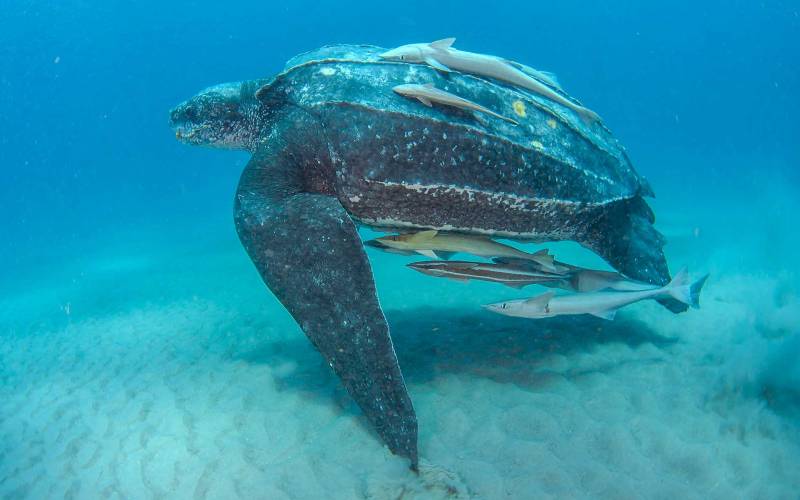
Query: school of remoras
595	292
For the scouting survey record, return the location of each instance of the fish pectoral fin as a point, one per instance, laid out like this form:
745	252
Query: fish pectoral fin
444	43
307	250
425	101
609	315
430	61
444	255
428	253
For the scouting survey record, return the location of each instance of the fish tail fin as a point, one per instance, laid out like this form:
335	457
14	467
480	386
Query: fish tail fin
623	234
694	290
680	288
509	120
501	117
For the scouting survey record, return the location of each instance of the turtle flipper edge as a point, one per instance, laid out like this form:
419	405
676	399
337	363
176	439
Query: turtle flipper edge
308	252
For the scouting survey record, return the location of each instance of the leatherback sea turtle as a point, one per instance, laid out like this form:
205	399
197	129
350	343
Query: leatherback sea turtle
333	147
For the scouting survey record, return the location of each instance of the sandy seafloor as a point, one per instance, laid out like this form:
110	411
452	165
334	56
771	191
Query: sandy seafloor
154	364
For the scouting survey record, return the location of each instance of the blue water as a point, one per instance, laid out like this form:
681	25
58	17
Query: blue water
125	296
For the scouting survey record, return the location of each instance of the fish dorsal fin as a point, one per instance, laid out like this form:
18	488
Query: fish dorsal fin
444	43
428	253
428	85
609	315
444	255
425	101
544	258
541	301
423	236
542	253
551	78
545	76
518	285
514	261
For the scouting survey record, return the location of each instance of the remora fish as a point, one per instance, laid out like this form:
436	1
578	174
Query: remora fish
442	56
580	279
427	94
443	245
495	273
601	304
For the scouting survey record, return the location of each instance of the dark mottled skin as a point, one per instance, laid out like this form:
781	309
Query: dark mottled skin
334	146
308	252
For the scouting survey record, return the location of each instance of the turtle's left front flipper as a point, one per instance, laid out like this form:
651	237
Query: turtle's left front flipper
309	254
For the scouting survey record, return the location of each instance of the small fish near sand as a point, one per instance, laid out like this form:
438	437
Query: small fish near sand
601	304
439	245
442	56
580	279
427	94
482	271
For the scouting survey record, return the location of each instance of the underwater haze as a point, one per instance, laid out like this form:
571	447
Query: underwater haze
142	356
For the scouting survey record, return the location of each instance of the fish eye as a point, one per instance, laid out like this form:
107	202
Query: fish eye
402	58
504	305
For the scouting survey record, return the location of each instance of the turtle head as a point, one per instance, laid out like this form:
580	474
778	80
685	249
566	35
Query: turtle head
222	116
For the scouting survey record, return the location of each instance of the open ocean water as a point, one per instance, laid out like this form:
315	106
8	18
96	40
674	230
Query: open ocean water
141	355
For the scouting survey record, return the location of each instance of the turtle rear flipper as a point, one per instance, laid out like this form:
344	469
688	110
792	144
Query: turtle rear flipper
624	236
308	252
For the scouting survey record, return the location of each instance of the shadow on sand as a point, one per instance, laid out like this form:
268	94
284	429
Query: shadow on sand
431	342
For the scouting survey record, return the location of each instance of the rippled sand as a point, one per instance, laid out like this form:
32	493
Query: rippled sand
178	376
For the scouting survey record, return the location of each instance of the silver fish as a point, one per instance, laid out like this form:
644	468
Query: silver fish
580	279
494	273
601	304
435	244
427	94
442	56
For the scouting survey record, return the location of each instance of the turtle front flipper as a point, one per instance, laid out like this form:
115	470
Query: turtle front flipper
307	250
